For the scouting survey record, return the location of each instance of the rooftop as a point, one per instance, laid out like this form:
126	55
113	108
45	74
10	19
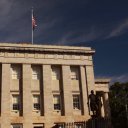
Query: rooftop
53	48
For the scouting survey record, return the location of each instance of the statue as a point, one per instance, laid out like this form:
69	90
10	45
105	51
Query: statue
92	102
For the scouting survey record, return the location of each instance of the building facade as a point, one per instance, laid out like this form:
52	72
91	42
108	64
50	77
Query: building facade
42	86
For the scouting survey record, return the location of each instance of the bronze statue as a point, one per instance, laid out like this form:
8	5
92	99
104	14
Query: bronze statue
92	102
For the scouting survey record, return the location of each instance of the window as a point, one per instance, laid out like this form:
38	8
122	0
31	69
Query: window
55	73
56	102
16	126
36	102
79	124
15	102
35	73
60	125
76	101
16	72
74	73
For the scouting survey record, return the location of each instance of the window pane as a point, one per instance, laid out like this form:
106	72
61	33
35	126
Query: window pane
16	72
36	102
15	102
76	102
36	106
60	125
56	102
74	73
55	73
35	72
15	106
16	126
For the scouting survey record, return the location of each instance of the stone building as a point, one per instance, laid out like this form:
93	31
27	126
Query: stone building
42	86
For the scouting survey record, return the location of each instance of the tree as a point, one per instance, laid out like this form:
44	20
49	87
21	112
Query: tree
118	103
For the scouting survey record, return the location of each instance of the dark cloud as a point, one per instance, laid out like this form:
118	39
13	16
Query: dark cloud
71	22
58	21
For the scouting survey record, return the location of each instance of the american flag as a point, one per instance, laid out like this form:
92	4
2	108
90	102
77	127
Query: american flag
33	22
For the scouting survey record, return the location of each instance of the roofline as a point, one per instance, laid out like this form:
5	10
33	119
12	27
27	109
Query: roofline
102	80
52	48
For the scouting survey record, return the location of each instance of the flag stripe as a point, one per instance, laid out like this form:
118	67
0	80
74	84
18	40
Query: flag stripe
33	22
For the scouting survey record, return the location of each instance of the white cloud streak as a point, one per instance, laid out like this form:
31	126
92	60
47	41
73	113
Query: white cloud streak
119	29
120	78
77	36
14	24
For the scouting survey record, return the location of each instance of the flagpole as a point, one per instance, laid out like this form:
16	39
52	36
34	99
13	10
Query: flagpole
32	24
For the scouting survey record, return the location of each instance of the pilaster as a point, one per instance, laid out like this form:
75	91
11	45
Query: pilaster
106	104
102	108
90	78
5	101
68	102
27	96
48	96
84	91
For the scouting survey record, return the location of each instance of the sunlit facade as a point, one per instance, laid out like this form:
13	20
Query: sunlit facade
43	85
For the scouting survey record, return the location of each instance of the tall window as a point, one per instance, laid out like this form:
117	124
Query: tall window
55	73
16	126
76	101
35	72
16	72
36	102
15	102
56	102
74	73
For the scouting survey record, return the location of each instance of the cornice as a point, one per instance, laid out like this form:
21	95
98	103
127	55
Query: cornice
102	80
45	48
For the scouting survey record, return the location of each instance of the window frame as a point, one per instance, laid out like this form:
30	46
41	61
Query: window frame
55	73
16	126
57	106
76	102
37	106
17	106
15	72
74	73
38	125
36	73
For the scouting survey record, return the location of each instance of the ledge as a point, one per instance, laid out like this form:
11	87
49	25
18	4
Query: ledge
102	80
45	48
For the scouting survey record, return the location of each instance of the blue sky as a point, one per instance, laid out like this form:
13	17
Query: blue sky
100	24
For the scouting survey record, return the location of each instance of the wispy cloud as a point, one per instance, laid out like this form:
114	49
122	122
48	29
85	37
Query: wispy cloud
119	29
81	35
59	22
117	78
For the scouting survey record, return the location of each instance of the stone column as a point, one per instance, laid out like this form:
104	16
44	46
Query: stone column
27	96
102	108
106	104
90	78
48	96
84	91
67	94
5	95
